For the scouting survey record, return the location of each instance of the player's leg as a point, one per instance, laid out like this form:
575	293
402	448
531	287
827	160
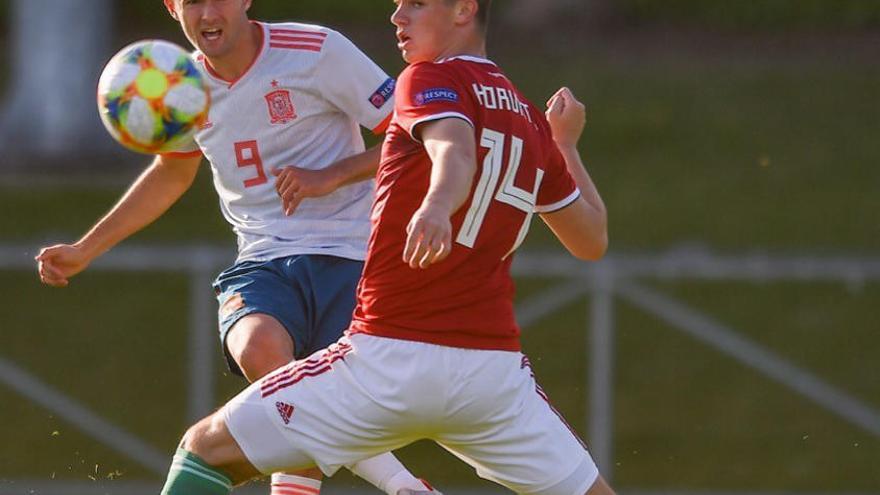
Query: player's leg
215	454
263	318
318	411
255	298
387	473
208	461
507	429
211	460
259	344
291	307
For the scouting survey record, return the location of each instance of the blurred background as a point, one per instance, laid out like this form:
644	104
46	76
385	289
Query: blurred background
728	344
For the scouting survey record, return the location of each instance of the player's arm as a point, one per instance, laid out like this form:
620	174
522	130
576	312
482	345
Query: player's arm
451	145
582	225
294	184
163	183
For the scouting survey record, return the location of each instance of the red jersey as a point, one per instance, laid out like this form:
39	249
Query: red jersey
465	300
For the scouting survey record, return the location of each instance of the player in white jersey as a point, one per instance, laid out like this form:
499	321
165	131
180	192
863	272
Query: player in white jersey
288	160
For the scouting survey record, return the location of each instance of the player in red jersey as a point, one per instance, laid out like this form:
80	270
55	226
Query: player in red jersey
433	349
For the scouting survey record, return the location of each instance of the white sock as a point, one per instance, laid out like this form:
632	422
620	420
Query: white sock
404	479
291	484
386	473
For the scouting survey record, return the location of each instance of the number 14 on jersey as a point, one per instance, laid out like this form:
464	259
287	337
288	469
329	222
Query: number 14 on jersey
509	193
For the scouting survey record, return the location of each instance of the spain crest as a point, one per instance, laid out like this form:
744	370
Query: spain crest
281	109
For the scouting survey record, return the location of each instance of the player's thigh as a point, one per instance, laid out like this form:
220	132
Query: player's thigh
260	288
512	435
259	344
317	411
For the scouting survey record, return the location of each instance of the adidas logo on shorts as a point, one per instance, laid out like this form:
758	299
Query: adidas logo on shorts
285	410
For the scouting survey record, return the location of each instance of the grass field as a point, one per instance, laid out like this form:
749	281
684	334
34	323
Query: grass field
681	404
736	152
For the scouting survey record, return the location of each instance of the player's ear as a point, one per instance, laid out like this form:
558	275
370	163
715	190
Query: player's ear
169	4
466	11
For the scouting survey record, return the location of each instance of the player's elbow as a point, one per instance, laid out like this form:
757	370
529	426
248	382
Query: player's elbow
592	235
582	229
592	248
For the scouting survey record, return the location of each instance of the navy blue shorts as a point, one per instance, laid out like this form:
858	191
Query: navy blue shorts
312	296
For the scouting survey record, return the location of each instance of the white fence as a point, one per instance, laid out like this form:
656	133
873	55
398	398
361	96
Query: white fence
615	276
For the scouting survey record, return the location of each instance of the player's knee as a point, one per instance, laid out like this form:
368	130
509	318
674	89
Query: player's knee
259	345
262	355
203	439
211	440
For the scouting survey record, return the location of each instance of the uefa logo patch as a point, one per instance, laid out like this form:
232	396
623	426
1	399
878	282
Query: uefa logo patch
383	94
436	94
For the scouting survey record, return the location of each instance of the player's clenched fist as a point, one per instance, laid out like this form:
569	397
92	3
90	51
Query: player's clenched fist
56	264
567	117
428	237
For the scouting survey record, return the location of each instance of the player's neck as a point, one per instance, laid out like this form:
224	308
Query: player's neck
231	66
474	46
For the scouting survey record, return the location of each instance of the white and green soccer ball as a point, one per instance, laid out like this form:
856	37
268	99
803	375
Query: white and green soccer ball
152	98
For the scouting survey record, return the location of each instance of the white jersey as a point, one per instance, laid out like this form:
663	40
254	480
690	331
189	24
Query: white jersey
300	103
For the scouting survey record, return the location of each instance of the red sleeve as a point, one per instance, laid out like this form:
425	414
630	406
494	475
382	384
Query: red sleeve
558	188
428	91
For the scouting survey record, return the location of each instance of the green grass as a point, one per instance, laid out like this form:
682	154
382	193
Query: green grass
818	326
63	213
737	155
690	417
116	343
755	15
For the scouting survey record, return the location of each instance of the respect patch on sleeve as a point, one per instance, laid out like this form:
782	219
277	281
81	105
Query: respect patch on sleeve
436	94
383	94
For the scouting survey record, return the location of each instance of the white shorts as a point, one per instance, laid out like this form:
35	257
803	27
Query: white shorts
367	395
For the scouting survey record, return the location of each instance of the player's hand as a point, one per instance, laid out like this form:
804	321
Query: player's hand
428	237
294	184
567	117
56	264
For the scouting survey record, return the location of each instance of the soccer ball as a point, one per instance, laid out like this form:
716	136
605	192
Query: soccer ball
152	98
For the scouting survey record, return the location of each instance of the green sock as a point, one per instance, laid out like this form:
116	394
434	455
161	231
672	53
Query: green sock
190	475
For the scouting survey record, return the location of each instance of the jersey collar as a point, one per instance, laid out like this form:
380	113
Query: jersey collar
258	56
469	58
